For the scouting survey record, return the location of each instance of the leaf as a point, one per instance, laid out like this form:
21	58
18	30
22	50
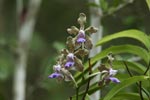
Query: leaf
128	96
124	84
123	49
93	88
134	66
135	34
93	4
148	3
117	50
104	5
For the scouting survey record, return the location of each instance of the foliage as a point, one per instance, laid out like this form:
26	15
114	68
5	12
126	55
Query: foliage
51	22
138	71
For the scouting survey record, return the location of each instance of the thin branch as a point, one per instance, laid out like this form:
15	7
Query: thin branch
141	88
127	69
88	84
148	67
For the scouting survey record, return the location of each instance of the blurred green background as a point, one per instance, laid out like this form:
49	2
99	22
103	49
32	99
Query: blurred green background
53	18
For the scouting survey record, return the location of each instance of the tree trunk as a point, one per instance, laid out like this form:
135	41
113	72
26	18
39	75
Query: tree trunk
25	31
95	20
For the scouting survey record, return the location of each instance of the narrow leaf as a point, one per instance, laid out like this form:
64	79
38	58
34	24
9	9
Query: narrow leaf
136	50
124	84
148	3
134	66
128	96
135	34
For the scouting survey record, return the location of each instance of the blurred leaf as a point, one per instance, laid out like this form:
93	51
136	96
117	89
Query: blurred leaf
104	5
37	43
134	66
93	88
129	20
117	50
124	84
135	34
128	96
117	2
93	4
58	45
148	3
123	49
6	66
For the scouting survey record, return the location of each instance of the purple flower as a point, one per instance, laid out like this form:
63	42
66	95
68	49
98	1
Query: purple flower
69	64
112	72
57	68
55	75
70	60
115	80
81	37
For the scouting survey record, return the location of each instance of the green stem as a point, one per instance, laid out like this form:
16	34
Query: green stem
77	90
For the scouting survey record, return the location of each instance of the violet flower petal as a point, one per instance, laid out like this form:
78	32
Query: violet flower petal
54	75
115	80
81	40
81	37
69	64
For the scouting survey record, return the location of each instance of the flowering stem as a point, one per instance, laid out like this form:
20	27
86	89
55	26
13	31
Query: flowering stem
77	90
82	45
76	85
88	84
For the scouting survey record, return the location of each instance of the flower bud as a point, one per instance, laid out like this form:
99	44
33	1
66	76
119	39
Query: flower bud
57	68
78	64
82	19
91	29
73	30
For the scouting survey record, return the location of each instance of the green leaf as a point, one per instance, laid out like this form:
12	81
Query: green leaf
124	84
123	49
135	34
148	3
134	66
117	50
128	96
104	5
93	88
93	4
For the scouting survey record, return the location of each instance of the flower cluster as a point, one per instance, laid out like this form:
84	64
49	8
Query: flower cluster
108	73
78	46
